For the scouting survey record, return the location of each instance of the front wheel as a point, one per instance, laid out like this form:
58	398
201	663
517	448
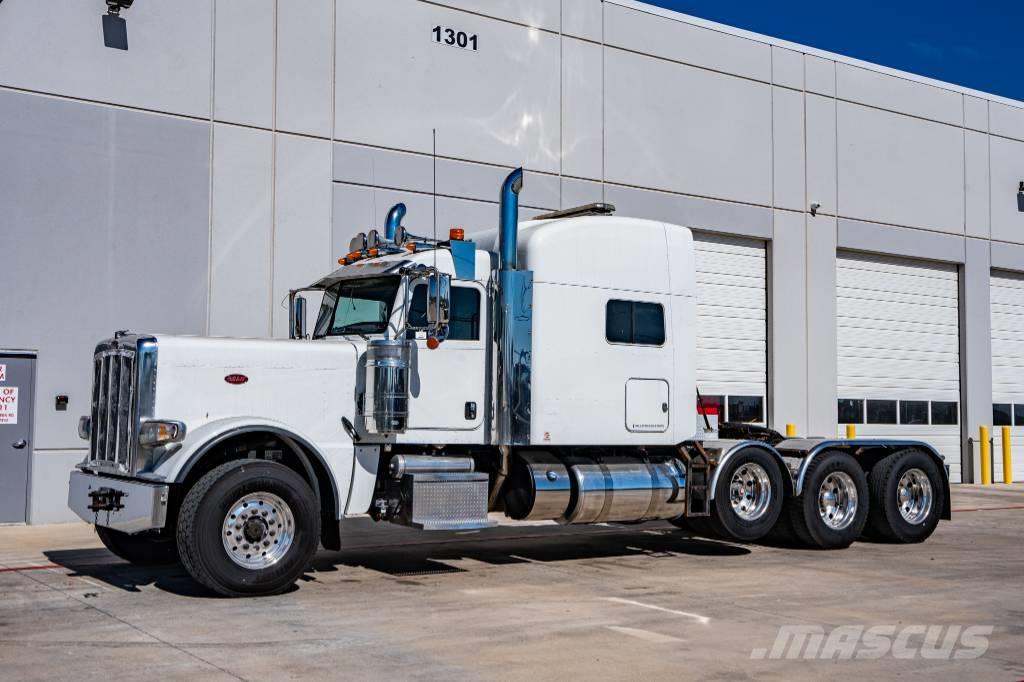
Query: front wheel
748	496
149	548
832	508
248	528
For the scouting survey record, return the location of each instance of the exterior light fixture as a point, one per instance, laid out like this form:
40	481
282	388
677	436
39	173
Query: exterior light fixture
1020	197
115	30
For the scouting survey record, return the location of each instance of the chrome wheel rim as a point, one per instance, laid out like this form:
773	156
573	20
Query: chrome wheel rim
750	492
258	530
837	500
914	494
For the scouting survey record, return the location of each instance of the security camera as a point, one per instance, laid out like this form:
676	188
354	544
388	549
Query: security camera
115	30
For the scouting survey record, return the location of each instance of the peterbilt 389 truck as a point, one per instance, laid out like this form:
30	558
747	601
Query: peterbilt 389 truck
542	371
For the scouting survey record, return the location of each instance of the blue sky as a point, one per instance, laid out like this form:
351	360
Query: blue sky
976	44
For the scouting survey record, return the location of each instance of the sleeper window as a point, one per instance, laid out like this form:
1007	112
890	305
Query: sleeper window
635	322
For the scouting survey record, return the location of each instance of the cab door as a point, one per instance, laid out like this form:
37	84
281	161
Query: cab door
448	384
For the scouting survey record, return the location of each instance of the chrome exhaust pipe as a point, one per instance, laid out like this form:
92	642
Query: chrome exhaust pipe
393	221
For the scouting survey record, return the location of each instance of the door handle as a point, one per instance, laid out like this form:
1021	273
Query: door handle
20	444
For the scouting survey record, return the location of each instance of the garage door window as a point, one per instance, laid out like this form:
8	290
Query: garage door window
881	412
635	323
746	408
851	411
913	412
1002	414
944	412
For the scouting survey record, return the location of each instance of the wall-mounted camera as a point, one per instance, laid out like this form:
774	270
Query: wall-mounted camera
115	30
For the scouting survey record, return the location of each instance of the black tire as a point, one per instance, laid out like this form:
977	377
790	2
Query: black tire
808	523
726	520
149	548
206	508
886	521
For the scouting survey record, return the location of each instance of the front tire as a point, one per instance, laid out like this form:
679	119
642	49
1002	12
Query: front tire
149	548
907	497
832	508
248	528
748	496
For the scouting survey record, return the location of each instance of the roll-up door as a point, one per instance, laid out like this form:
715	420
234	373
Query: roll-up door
898	338
732	316
1007	295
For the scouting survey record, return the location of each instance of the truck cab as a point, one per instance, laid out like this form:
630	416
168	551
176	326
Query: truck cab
541	371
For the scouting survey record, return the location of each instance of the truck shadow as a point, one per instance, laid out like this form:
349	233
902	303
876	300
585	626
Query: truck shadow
393	551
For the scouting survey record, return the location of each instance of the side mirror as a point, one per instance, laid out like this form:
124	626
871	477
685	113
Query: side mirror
298	324
439	300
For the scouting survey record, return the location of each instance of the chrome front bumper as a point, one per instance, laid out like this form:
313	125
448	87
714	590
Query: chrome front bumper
128	506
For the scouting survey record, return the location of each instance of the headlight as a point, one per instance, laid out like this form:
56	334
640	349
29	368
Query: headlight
154	432
84	427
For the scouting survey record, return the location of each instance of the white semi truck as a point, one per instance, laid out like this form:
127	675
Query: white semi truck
546	371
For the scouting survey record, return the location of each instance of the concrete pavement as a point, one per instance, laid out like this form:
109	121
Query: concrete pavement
530	603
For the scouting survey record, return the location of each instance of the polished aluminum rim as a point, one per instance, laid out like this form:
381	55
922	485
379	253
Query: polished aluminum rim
837	500
258	530
915	496
750	492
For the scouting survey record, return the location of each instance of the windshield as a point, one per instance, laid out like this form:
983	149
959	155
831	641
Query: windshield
357	306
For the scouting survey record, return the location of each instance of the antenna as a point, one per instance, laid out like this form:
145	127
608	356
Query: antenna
434	180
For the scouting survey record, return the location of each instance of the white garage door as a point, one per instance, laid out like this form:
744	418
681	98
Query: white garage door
898	336
1007	295
732	317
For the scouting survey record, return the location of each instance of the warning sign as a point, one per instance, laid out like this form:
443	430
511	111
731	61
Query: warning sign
9	405
3	373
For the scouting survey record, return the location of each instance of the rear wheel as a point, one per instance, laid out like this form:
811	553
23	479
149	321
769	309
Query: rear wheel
149	548
907	497
748	496
248	528
832	508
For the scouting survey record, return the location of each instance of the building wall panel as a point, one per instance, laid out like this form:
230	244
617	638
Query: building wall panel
1007	172
244	62
242	232
498	105
900	170
57	47
677	128
104	227
305	68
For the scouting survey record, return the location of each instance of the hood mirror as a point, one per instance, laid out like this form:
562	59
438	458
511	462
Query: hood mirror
298	321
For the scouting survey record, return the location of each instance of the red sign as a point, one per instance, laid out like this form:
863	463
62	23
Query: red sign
236	379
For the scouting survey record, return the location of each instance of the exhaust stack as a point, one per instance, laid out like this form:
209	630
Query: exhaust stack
515	317
393	221
508	227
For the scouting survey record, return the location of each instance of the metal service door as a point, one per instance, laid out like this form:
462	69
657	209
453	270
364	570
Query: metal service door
17	378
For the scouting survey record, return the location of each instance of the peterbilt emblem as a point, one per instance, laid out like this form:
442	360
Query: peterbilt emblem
236	379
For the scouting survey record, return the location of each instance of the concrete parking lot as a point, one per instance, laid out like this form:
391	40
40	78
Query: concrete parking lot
541	602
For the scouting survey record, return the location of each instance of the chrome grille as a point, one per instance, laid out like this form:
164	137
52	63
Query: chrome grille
115	416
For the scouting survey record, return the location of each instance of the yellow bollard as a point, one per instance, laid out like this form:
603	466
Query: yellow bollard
1007	457
986	457
851	431
790	430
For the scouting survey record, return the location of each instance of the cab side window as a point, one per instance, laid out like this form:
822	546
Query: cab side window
464	324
